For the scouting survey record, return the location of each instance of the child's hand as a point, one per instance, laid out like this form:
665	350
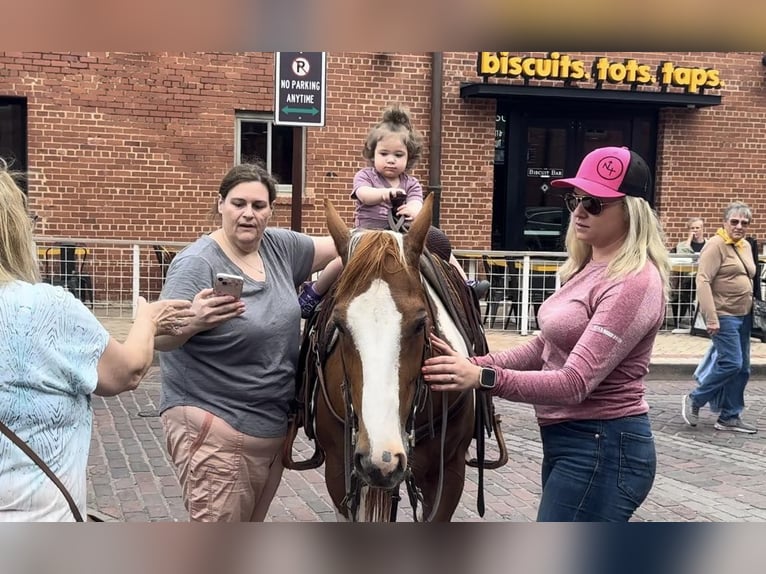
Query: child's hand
389	194
409	210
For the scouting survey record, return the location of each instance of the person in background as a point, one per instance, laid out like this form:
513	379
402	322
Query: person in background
683	284
695	240
54	354
585	372
386	196
725	294
228	377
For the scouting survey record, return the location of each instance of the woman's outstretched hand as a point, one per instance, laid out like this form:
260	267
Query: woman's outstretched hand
449	371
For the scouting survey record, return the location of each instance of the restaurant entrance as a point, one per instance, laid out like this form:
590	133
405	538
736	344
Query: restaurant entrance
534	146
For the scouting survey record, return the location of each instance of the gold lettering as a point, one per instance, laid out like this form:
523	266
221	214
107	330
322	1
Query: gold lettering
713	79
561	66
644	74
514	66
543	67
578	70
528	66
601	69
666	73
489	64
616	73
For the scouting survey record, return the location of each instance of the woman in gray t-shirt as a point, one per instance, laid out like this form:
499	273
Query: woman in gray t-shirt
227	377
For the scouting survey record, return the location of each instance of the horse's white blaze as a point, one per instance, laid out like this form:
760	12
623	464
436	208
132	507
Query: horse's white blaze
375	325
446	325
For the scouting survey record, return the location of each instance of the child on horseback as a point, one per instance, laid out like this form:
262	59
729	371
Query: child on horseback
386	196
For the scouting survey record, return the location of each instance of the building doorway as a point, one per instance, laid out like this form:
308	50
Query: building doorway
537	147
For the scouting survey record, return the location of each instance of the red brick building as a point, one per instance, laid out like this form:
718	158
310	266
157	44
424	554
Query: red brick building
133	145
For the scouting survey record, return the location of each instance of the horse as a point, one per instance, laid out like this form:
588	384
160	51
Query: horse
375	418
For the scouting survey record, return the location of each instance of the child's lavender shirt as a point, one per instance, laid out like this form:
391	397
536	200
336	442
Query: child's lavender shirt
376	216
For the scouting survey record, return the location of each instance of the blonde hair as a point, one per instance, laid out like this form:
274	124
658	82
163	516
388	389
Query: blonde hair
644	241
17	257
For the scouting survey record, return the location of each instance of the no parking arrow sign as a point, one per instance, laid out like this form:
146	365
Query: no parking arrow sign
299	88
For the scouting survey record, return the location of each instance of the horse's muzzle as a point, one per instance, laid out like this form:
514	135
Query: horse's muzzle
385	472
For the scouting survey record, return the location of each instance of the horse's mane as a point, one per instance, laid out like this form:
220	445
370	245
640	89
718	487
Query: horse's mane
371	254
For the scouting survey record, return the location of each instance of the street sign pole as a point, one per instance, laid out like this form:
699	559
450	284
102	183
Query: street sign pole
299	100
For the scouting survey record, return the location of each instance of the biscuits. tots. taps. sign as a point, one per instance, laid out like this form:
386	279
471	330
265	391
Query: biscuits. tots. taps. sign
558	66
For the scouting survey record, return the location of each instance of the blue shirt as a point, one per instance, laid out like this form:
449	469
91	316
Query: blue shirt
50	344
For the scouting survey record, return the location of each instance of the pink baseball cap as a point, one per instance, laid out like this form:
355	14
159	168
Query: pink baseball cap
609	172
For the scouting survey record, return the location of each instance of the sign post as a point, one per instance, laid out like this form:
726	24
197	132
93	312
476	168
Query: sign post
299	100
300	88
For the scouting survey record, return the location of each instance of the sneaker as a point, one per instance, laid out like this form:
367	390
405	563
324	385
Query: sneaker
736	425
308	300
480	287
690	413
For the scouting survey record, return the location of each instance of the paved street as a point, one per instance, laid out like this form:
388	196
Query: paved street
703	474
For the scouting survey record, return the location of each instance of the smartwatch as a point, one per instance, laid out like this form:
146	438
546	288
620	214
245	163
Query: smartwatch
487	379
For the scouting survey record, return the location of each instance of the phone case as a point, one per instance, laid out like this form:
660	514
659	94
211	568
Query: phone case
228	285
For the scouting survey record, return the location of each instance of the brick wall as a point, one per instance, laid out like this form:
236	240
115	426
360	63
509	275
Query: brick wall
127	145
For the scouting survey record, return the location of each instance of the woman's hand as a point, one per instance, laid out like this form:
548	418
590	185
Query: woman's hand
169	315
450	371
211	310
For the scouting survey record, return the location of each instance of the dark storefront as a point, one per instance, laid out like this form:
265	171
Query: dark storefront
542	134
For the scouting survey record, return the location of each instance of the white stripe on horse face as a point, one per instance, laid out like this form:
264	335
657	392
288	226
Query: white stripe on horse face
375	325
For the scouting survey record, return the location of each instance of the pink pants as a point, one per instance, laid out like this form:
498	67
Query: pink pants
225	475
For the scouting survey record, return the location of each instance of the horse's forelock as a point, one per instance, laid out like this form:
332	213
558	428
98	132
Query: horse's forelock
372	254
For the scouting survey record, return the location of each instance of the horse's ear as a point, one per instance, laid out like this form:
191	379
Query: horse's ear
338	230
415	238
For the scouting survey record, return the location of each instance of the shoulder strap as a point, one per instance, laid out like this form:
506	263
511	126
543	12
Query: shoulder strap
734	247
44	467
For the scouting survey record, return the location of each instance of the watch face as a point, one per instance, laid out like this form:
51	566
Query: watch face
487	380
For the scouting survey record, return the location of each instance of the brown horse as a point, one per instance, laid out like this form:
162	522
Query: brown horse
376	421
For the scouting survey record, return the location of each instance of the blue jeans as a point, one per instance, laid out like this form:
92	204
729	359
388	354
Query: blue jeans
724	371
596	471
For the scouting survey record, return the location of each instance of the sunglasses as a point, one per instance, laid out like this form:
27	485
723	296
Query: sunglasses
735	222
592	205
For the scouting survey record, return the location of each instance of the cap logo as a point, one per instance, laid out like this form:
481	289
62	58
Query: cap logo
609	168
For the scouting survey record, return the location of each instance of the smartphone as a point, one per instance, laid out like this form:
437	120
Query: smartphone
226	284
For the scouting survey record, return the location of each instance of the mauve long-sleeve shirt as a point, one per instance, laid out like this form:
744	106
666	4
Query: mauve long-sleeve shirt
593	351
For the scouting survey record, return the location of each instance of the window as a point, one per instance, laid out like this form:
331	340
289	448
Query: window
258	138
13	135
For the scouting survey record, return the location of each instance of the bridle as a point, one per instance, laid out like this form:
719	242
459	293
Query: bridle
350	422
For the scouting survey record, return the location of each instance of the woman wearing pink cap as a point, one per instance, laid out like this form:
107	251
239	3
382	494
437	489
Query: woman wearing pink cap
585	372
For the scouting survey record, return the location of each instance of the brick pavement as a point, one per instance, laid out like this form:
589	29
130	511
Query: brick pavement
703	474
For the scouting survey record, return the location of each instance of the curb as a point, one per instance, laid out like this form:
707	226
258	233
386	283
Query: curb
684	369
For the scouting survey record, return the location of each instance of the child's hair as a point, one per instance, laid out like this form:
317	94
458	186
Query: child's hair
396	120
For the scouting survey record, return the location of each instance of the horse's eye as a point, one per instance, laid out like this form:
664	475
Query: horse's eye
419	326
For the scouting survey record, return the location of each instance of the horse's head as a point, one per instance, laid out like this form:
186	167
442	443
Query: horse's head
382	317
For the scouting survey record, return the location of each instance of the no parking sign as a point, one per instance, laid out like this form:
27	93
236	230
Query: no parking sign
300	88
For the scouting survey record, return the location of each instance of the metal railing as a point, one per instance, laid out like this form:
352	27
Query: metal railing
109	276
521	280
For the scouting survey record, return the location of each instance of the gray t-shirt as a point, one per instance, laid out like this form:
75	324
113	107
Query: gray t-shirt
243	370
